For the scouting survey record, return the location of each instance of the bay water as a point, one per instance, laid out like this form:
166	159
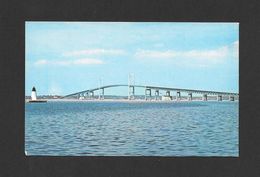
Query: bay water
116	128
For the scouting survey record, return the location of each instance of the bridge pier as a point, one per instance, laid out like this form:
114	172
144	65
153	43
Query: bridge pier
190	96
157	94
87	95
231	98
80	96
91	94
219	97
205	97
178	96
131	94
102	93
148	93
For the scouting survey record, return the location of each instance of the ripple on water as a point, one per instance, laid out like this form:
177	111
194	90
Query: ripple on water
122	129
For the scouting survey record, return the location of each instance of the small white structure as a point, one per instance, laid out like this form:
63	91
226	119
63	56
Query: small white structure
81	98
34	95
166	98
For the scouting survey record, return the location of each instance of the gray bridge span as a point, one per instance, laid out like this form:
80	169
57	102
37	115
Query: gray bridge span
148	92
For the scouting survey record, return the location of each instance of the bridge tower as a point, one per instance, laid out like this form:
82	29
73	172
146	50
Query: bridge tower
131	88
102	93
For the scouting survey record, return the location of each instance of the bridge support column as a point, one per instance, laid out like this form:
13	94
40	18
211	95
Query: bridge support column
131	94
156	94
178	96
87	95
102	93
81	96
148	93
219	97
92	94
205	97
231	98
190	96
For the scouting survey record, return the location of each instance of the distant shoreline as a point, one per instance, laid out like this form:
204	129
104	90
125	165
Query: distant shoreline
128	101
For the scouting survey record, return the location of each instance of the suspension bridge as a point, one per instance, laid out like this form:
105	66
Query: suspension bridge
149	90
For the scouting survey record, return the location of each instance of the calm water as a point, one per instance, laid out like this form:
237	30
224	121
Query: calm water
132	129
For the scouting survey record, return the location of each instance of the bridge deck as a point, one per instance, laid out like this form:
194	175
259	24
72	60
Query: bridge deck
156	88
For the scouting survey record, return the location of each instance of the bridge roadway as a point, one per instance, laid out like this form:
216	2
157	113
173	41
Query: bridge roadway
156	88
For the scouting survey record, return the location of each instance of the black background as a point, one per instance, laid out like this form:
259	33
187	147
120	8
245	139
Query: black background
13	15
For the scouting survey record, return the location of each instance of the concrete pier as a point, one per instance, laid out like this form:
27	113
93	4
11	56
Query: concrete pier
205	97
148	93
92	94
87	95
157	95
80	96
102	93
231	98
190	96
178	96
219	97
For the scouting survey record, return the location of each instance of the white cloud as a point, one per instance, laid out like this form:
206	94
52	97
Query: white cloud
41	62
200	58
83	61
155	54
95	52
205	54
87	61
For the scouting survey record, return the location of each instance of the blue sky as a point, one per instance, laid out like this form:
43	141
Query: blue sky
66	57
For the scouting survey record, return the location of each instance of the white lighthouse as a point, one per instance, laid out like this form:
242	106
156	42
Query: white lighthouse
33	95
